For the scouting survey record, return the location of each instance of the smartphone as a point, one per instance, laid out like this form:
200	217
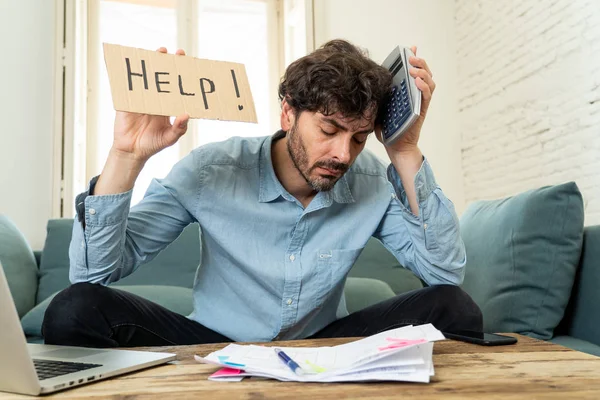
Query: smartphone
481	338
404	104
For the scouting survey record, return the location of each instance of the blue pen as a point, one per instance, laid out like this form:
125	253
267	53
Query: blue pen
293	365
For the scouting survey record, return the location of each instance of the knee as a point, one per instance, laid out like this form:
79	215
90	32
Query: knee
455	302
68	310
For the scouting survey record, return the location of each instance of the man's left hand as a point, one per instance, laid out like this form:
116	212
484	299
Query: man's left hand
424	81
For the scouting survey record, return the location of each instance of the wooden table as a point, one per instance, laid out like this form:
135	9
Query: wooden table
529	369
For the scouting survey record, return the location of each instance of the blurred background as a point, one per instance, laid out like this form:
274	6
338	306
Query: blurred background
517	104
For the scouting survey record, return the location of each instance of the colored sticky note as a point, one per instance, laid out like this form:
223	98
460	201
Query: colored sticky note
226	372
399	343
234	364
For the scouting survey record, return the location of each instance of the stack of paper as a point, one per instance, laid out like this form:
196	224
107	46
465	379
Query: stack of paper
402	354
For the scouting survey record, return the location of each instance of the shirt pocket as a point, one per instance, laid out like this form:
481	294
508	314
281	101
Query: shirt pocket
332	268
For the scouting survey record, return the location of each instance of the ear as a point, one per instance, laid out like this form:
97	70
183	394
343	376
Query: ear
287	116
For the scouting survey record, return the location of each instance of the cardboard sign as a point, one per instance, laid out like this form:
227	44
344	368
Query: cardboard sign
150	82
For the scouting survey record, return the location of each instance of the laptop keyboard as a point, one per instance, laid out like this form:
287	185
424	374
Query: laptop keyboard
49	369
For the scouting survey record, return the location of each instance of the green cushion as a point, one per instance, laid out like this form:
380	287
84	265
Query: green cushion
577	344
174	266
19	265
377	262
364	292
522	254
584	309
54	262
174	298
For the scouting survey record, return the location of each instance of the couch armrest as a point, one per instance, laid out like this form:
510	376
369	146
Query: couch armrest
19	266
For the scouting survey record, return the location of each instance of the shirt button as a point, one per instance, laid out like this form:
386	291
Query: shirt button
289	302
292	258
425	226
92	211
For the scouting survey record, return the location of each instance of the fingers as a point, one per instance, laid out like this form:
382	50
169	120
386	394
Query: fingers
179	52
413	49
426	91
424	76
419	63
181	122
178	128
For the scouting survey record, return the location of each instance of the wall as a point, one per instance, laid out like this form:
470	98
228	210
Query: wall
429	25
529	96
26	112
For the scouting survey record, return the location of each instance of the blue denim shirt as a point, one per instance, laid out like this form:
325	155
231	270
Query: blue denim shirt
270	268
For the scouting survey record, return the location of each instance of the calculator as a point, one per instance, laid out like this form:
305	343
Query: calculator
404	105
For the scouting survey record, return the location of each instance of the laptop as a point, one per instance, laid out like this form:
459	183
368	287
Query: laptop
38	368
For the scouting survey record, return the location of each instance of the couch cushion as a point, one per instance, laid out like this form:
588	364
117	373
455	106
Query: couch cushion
54	262
19	266
583	313
522	254
377	262
364	292
577	344
175	266
174	298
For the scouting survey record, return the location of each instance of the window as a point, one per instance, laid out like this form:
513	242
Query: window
244	40
231	30
258	33
143	24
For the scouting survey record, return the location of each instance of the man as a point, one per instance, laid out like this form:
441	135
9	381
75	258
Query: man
283	219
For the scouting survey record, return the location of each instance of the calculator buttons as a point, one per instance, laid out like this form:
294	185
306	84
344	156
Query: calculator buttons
398	109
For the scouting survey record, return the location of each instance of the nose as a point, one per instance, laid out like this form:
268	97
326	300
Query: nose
342	150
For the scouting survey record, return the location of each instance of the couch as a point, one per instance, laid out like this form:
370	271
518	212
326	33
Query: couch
532	268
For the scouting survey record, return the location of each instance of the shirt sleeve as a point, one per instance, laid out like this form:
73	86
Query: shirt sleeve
110	240
80	200
428	244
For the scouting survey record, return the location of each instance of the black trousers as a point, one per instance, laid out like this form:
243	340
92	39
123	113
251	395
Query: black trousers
92	315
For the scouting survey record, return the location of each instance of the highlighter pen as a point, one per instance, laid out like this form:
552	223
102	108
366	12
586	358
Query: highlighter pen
293	365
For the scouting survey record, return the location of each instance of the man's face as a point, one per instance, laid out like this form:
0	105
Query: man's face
322	148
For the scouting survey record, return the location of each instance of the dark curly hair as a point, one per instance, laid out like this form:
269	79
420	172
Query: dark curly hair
337	77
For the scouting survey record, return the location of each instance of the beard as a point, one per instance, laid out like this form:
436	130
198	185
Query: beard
299	156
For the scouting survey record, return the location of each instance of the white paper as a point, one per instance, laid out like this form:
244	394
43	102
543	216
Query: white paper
402	354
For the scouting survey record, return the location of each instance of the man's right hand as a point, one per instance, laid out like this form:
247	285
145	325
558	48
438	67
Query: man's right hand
137	137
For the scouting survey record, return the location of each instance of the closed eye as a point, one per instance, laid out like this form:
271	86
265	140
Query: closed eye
327	133
360	140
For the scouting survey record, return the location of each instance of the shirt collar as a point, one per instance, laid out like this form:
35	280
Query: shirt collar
341	191
271	188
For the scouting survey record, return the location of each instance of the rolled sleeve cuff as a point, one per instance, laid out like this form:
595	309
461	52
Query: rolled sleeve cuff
102	210
425	183
80	199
